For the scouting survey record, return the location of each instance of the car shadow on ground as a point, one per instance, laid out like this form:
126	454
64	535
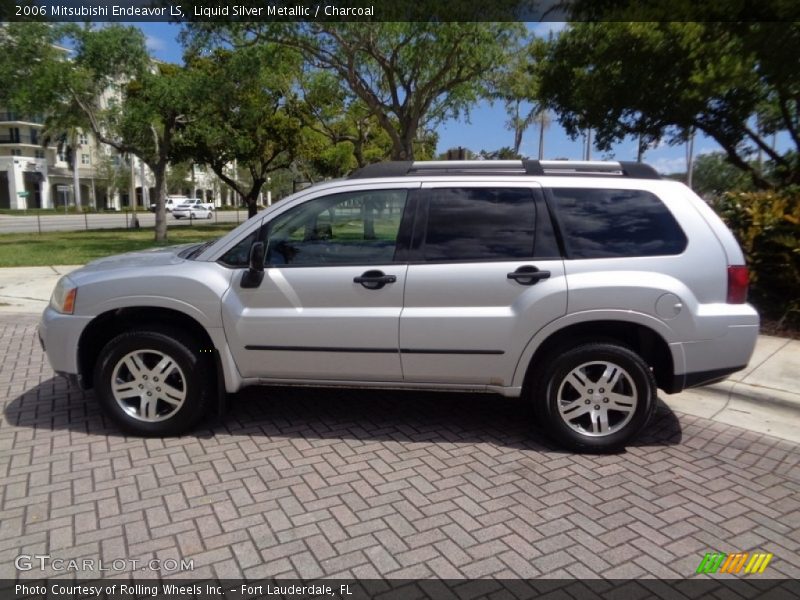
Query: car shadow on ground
332	413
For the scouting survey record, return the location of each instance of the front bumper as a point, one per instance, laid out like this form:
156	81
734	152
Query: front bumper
59	336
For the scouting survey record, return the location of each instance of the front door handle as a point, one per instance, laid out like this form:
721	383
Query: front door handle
374	280
528	275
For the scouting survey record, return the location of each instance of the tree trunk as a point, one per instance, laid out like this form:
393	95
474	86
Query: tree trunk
160	173
518	129
251	199
76	182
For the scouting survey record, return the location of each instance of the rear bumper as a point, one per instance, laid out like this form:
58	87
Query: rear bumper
700	378
711	361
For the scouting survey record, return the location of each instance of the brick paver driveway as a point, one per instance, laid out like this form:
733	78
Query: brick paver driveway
363	484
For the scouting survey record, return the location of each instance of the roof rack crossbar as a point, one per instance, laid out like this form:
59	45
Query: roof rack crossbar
508	167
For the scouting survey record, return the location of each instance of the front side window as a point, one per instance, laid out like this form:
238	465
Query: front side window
350	228
85	160
607	223
479	224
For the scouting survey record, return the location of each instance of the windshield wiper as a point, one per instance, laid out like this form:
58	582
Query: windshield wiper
199	249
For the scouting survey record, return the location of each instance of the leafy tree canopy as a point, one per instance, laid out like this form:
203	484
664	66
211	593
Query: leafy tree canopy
409	76
737	82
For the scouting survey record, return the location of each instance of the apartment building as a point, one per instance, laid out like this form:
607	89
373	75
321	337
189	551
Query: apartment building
33	175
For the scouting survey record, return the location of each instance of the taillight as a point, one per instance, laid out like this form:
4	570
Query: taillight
738	279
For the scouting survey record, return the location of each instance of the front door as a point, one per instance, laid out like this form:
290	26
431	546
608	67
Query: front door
485	275
329	305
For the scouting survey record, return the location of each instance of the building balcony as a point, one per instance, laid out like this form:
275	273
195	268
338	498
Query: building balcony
12	117
20	138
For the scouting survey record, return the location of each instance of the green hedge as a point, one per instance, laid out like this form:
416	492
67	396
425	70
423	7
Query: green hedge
767	225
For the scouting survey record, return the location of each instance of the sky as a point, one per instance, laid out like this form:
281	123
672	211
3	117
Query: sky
485	128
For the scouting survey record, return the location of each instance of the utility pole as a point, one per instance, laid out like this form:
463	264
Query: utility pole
690	158
541	136
589	144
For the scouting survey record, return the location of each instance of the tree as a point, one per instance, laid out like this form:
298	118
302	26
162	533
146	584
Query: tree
129	102
114	174
504	153
410	75
516	84
344	135
714	175
706	76
178	177
245	110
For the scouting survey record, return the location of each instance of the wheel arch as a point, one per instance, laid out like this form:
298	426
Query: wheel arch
111	323
643	339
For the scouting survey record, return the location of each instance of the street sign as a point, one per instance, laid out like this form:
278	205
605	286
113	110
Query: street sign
23	194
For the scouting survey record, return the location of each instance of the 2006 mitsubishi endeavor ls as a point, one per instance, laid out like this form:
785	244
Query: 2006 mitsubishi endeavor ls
580	286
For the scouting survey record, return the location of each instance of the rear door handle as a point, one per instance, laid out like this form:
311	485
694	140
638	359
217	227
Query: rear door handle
528	275
374	280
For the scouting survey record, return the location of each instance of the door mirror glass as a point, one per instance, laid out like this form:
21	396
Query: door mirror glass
253	277
257	256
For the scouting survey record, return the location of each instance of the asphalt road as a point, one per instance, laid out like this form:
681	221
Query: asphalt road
38	224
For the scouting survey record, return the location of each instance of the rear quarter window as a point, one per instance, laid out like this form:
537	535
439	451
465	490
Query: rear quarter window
610	223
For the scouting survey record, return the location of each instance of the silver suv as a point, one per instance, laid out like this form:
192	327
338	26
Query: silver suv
579	286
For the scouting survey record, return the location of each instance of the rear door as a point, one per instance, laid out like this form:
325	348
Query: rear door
485	274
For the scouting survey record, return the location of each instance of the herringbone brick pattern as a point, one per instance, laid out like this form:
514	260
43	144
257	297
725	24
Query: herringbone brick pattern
341	483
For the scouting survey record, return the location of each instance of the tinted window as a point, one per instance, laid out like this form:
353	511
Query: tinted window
352	228
479	224
239	255
602	223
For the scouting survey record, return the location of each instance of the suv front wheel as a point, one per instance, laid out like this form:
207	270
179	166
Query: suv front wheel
595	397
152	382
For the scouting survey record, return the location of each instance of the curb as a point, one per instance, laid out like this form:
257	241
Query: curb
757	395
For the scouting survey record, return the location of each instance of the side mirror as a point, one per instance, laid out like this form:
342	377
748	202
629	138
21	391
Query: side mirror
254	275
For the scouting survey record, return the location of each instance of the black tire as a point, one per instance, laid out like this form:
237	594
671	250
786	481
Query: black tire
551	390
192	375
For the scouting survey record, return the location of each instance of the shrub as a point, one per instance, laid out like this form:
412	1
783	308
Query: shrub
767	225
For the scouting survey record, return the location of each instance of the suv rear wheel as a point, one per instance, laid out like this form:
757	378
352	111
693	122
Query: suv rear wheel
152	382
595	397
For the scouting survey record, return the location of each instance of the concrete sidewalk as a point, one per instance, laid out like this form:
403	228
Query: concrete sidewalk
28	289
764	397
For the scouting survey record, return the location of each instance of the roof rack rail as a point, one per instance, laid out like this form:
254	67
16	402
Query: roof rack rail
507	167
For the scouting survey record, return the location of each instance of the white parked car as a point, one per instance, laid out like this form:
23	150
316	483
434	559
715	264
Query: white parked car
199	203
171	202
192	211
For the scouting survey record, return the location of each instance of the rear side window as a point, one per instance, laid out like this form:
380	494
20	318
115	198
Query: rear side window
603	223
479	224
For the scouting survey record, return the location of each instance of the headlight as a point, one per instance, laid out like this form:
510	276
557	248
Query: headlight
63	298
